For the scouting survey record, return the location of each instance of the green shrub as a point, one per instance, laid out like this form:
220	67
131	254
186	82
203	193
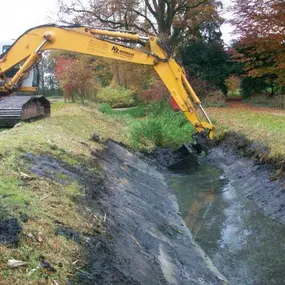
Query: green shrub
153	125
147	133
105	108
135	112
116	96
162	127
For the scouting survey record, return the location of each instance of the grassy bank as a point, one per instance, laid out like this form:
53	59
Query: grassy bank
153	125
264	127
42	204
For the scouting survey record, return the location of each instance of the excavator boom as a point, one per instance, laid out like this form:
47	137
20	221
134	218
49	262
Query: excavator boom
129	47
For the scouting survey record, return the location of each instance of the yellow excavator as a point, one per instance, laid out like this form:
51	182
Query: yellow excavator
18	62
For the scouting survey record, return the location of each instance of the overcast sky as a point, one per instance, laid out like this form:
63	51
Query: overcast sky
17	16
20	15
226	28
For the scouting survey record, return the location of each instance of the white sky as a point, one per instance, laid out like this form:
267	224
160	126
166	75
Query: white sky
226	28
20	15
17	16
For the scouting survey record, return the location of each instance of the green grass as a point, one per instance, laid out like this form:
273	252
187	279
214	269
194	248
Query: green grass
154	125
134	112
277	101
105	108
236	93
12	197
116	96
265	127
66	137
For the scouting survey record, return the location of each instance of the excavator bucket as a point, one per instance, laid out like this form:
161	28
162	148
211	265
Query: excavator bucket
14	109
185	158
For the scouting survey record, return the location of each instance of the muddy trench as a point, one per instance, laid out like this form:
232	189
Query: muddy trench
222	222
142	238
233	209
236	213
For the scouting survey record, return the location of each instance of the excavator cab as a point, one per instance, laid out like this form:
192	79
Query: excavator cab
31	81
5	46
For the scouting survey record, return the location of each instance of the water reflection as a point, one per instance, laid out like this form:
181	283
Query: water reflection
245	246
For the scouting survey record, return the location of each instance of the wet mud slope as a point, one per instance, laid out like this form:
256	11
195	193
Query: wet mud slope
241	163
147	241
138	237
235	212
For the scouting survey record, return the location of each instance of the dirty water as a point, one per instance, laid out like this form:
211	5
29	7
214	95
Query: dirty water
246	246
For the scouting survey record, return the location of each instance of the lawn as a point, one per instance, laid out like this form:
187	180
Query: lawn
266	127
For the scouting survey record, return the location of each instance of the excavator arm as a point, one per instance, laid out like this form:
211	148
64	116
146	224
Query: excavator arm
123	46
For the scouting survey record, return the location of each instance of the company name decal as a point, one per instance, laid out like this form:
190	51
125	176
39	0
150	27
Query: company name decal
122	52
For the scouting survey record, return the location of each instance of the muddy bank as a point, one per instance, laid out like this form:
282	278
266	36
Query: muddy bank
244	162
259	153
149	242
142	238
244	244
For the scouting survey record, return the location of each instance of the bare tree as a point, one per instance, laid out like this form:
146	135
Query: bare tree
166	18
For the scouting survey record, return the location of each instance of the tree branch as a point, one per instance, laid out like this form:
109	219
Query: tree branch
185	5
151	9
146	18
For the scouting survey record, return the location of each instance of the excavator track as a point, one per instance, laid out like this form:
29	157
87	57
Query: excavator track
14	109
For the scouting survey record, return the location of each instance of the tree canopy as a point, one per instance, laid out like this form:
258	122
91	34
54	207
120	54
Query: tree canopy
172	20
210	62
261	46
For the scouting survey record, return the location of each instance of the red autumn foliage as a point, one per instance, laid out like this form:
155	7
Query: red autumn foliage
61	64
156	92
76	77
261	27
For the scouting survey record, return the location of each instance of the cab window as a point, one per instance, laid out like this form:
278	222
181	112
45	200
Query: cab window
5	48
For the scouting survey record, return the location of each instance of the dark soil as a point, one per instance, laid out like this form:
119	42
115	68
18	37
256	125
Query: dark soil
52	168
179	161
10	230
244	162
244	147
144	239
68	233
